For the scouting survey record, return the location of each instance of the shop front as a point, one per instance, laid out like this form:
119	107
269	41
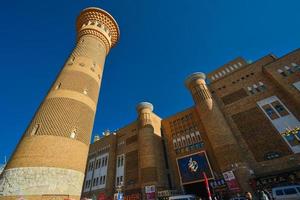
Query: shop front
268	182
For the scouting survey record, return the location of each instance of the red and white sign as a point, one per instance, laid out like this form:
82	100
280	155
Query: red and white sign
150	192
231	181
207	186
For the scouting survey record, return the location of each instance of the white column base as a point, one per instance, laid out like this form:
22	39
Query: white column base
41	181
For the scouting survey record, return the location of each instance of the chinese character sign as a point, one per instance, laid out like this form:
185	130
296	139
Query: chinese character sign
191	168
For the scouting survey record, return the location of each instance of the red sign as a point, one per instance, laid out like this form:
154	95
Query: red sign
231	181
135	196
150	196
101	196
207	185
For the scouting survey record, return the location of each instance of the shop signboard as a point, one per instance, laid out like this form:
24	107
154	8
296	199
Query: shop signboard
136	196
231	181
191	168
150	192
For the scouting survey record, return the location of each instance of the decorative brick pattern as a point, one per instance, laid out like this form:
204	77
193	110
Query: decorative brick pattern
96	14
36	151
78	81
200	93
259	134
131	166
90	47
97	34
131	139
149	174
60	116
234	96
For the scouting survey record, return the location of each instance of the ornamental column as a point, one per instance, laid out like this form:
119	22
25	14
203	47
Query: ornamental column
50	159
222	140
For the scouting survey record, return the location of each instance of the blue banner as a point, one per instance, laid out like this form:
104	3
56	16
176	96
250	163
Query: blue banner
191	168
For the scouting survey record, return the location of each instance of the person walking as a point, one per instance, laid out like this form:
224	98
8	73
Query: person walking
268	194
248	196
262	195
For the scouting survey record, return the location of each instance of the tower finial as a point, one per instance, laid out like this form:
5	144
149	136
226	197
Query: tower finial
143	105
193	77
144	110
98	23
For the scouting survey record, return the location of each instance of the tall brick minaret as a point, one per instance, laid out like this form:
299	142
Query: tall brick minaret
49	161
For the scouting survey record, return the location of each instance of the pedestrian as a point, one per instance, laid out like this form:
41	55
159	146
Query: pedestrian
262	195
267	193
248	196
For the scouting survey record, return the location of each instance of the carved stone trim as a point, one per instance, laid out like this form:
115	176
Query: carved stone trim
41	180
97	14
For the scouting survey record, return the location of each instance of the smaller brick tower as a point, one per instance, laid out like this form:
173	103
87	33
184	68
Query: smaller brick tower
224	144
151	160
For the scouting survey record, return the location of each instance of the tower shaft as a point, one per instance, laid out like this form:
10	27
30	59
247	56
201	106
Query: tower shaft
50	159
151	160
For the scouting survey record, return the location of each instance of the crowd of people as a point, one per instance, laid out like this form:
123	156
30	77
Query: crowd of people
259	195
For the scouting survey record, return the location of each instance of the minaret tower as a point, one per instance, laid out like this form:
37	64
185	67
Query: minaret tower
222	140
49	161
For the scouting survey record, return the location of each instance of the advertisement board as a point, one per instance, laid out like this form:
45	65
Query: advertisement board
150	192
231	181
191	168
136	196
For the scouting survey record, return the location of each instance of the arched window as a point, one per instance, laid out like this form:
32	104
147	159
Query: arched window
198	136
174	143
85	91
73	134
57	86
35	129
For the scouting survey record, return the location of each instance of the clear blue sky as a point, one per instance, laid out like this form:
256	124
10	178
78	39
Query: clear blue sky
162	42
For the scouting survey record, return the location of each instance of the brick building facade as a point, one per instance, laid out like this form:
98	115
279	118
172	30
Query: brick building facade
242	131
244	121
